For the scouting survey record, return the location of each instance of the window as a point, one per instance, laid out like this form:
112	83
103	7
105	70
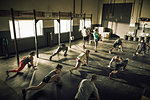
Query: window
65	26
87	23
26	28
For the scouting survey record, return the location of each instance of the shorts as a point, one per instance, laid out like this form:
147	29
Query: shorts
78	60
140	50
118	66
46	79
85	38
115	45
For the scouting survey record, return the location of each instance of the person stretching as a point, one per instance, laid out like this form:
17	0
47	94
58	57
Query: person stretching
81	59
25	60
52	76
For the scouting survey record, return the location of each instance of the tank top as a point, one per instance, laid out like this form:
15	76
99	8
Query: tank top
25	60
51	73
143	46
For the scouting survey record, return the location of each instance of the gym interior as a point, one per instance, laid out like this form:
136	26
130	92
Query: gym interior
42	25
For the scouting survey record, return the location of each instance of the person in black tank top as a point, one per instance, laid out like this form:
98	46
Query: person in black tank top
62	47
52	76
141	47
23	62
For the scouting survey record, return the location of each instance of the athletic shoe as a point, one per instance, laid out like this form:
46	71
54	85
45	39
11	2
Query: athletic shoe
65	54
95	50
7	73
29	65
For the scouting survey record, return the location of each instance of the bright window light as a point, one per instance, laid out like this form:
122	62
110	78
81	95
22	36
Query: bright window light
87	23
65	26
26	28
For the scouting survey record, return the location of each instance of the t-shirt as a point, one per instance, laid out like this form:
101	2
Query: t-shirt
84	33
25	60
86	88
96	35
82	57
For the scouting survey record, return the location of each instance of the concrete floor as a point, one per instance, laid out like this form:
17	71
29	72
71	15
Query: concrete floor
127	85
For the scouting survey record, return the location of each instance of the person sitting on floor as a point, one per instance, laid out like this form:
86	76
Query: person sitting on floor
118	43
122	64
141	47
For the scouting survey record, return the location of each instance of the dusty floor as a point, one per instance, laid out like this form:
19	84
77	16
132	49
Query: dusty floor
127	85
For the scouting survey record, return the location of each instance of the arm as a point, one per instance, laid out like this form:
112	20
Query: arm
32	62
110	63
137	48
87	59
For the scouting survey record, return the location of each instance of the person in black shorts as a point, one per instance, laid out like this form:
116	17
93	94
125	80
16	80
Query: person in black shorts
118	43
141	47
52	76
120	66
62	47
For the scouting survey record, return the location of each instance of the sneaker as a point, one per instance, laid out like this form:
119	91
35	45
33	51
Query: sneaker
70	71
7	73
108	66
84	65
50	58
29	65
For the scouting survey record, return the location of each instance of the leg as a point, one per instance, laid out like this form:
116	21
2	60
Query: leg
42	84
84	42
111	50
96	44
19	69
56	52
65	54
76	67
120	46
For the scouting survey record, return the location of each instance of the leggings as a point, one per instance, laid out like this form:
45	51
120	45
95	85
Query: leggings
19	69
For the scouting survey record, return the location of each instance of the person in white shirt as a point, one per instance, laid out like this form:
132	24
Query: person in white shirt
85	36
81	59
86	88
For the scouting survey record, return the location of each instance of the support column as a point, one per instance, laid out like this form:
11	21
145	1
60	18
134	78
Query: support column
15	38
36	38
